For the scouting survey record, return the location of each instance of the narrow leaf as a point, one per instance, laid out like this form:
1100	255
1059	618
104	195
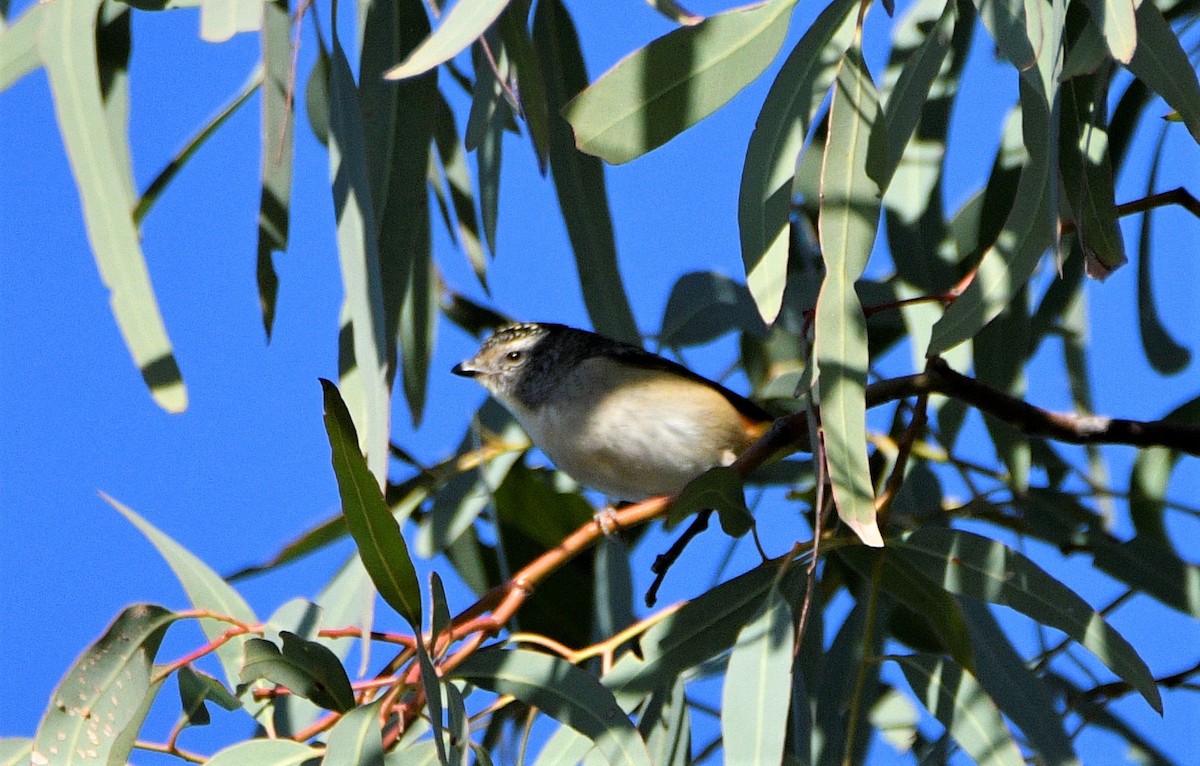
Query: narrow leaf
275	172
19	53
100	704
677	80
964	708
970	565
362	352
765	195
204	587
758	683
68	49
1116	22
849	219
703	306
222	19
579	179
718	489
375	531
562	691
1161	63
465	22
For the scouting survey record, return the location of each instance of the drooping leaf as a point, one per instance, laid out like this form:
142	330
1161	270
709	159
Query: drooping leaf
222	19
67	47
848	222
579	179
19	53
278	123
758	682
362	342
196	689
97	709
204	587
562	691
1160	61
964	708
375	531
657	92
465	22
1165	354
765	195
1117	24
974	566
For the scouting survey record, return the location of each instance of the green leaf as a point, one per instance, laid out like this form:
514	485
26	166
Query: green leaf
923	598
1116	22
1165	354
703	628
222	19
657	92
205	590
765	195
266	752
97	709
562	691
1027	232
905	104
703	306
68	48
355	739
362	348
531	88
1161	63
718	489
19	53
15	751
964	708
278	122
303	667
758	684
579	179
374	529
177	163
316	95
849	219
1005	20
462	193
1020	695
465	22
197	688
666	727
974	566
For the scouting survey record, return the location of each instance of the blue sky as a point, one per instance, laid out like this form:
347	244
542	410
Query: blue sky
246	467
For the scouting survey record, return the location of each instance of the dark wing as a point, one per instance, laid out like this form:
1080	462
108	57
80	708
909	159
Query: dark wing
638	357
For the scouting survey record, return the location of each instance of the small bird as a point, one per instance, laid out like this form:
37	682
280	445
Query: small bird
613	416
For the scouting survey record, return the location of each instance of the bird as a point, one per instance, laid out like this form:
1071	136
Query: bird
611	415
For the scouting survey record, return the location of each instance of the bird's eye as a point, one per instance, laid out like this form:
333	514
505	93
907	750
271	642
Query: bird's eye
514	356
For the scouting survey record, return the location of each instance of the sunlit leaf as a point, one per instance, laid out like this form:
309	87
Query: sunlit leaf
758	681
222	19
266	752
848	223
657	92
355	739
19	53
204	587
278	123
362	344
1115	19
68	50
765	195
464	23
97	709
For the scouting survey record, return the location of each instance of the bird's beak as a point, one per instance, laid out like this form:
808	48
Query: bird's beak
466	372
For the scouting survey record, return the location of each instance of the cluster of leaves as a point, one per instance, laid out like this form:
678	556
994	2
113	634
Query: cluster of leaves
833	154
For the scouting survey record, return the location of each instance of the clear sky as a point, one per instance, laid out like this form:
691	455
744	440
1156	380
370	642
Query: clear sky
246	467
